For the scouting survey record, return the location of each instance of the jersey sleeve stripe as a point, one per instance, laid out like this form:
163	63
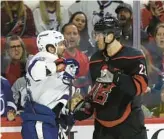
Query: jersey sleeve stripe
96	61
142	82
138	87
129	57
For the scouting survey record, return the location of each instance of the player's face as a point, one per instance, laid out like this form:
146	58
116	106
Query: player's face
15	50
61	48
124	16
99	38
71	35
80	21
160	37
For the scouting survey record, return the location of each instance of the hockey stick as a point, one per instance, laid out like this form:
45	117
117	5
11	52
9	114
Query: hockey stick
69	107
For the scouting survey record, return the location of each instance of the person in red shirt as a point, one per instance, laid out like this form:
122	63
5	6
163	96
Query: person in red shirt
151	15
13	59
72	37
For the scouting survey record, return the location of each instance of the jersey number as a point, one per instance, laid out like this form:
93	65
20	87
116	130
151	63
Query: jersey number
142	69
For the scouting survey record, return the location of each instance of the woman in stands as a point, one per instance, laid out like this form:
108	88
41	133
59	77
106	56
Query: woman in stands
155	49
16	19
152	14
47	16
79	19
13	59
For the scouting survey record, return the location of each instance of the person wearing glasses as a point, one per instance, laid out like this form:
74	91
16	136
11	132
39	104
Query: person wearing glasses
13	59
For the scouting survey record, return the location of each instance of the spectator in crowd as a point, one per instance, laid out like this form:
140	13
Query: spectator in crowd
125	17
92	10
17	19
72	37
155	52
13	59
151	15
80	20
19	85
8	107
47	16
159	111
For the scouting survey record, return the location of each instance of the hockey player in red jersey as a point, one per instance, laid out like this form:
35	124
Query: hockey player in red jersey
119	78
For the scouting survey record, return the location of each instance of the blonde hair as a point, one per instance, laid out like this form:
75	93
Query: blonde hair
44	13
21	11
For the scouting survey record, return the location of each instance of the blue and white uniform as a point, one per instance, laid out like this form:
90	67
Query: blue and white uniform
6	97
44	92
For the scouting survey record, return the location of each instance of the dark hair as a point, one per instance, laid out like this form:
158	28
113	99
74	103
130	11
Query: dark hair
86	20
160	25
65	25
84	32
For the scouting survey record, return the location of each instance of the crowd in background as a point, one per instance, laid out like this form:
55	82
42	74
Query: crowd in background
20	25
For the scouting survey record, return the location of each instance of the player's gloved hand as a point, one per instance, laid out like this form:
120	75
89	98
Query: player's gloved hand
71	69
60	64
59	61
83	110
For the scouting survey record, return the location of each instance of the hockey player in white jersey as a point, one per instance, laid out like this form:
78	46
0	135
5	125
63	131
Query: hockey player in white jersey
47	92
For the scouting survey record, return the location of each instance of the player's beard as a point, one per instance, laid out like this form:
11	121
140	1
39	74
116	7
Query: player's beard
123	21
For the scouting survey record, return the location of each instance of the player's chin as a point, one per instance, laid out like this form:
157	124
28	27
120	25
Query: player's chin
101	47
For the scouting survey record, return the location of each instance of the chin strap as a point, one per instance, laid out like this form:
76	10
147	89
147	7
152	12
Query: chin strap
106	44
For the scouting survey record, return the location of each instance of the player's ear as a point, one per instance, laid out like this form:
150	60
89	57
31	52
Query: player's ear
109	38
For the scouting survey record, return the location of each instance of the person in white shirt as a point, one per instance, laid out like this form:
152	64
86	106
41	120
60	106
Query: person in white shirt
47	16
48	87
92	9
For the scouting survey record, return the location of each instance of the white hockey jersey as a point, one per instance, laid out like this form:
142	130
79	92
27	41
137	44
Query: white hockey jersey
44	83
91	7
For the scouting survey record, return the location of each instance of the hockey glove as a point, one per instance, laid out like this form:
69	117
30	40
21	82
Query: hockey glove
71	69
83	110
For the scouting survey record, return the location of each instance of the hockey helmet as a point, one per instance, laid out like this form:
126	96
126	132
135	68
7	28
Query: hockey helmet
108	24
49	37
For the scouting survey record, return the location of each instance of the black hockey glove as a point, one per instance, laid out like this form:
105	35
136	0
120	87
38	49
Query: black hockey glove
83	110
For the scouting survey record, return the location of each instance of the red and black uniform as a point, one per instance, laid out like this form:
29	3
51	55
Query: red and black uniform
118	114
